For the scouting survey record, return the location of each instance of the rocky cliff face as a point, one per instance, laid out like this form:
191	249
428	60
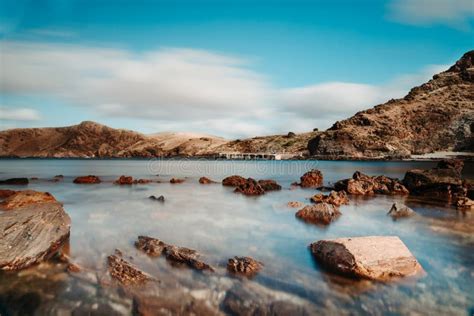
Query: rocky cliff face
436	116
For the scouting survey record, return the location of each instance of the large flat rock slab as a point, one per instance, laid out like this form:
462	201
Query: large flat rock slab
33	226
374	257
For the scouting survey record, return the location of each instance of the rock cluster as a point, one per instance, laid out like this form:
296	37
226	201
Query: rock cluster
234	181
336	198
180	255
244	265
361	184
269	185
311	179
33	229
126	273
378	258
90	179
128	180
250	186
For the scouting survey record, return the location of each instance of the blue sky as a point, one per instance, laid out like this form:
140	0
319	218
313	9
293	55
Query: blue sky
233	68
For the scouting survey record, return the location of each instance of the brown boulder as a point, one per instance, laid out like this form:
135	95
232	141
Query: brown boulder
374	257
311	179
269	185
90	179
250	187
335	198
442	182
176	180
27	197
34	229
399	210
124	180
204	180
177	255
15	181
126	273
6	193
362	184
234	181
321	213
244	265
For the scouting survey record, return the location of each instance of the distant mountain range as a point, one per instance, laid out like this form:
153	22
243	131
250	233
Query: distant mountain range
436	116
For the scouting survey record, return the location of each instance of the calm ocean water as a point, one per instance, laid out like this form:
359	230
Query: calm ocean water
221	224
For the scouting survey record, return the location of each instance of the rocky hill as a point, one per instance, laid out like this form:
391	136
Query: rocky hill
436	116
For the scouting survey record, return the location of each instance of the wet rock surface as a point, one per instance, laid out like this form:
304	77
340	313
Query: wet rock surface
335	198
126	273
33	229
321	213
90	179
269	185
234	181
177	255
250	187
399	210
443	182
244	266
205	180
15	181
311	179
379	258
361	184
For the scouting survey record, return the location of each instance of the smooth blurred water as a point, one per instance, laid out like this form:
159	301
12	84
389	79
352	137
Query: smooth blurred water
221	224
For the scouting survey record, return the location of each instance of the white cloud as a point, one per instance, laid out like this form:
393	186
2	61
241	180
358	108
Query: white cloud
18	114
184	89
454	13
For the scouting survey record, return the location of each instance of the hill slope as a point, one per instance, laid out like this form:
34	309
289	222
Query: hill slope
436	116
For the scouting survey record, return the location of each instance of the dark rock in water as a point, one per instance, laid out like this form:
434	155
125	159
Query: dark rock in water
204	180
250	187
269	185
24	198
142	181
362	184
379	258
334	198
399	210
176	181
161	198
321	213
124	180
442	182
90	179
465	203
244	265
180	255
33	229
311	179
15	181
234	181
126	273
6	193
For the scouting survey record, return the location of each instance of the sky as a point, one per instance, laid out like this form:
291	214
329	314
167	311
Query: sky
228	68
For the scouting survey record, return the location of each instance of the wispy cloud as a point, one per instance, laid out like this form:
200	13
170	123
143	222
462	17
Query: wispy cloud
18	114
52	33
184	89
454	13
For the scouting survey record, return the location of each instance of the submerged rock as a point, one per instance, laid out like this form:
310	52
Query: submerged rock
399	210
311	179
335	198
361	184
250	187
160	198
269	185
142	181
295	204
204	180
126	273
90	179
124	180
244	265
321	213
180	255
15	181
35	228
442	182
379	258
176	180
234	181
